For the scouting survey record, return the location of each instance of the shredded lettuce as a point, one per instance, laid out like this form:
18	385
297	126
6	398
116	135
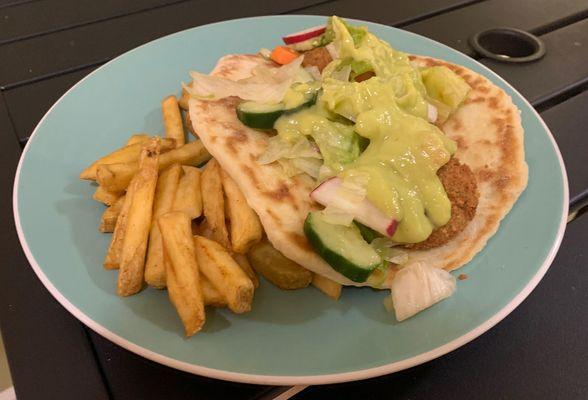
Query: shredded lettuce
297	166
356	32
357	67
314	72
389	251
279	148
325	172
297	158
417	287
265	85
338	143
288	168
310	166
341	74
373	54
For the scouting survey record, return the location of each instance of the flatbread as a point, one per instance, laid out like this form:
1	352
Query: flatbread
487	129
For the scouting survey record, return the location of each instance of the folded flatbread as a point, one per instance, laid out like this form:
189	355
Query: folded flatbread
487	129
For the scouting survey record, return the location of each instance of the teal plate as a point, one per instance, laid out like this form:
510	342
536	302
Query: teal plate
298	337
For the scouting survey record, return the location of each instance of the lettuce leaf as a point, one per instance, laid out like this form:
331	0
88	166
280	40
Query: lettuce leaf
357	32
265	85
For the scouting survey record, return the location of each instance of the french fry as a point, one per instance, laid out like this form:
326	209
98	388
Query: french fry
213	202
134	247
113	255
224	274
183	100
127	154
211	296
138	138
188	198
110	216
116	177
104	196
331	288
279	270
183	276
243	262
165	192
172	120
245	226
241	259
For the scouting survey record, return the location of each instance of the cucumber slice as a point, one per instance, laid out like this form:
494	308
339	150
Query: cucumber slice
262	116
342	247
367	233
259	116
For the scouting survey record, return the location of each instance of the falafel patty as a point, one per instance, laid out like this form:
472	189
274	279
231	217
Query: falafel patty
318	57
461	188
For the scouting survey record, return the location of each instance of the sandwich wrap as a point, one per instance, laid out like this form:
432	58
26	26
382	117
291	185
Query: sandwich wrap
486	127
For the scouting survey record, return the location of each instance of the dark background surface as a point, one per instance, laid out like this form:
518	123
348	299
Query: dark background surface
540	351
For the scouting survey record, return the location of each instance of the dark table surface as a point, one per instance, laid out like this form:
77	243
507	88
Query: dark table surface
540	351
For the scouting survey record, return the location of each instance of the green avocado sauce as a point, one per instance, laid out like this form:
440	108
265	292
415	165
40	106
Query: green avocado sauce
405	151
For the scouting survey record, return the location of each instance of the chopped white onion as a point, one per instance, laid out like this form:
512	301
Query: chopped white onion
417	287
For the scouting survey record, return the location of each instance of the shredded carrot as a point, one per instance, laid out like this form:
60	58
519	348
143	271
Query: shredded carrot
283	55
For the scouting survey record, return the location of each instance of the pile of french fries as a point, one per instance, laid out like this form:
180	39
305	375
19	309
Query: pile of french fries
188	230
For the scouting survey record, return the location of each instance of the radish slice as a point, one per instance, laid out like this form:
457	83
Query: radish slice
304	35
366	213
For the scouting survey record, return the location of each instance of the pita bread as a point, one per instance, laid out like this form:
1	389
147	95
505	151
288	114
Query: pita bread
487	129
